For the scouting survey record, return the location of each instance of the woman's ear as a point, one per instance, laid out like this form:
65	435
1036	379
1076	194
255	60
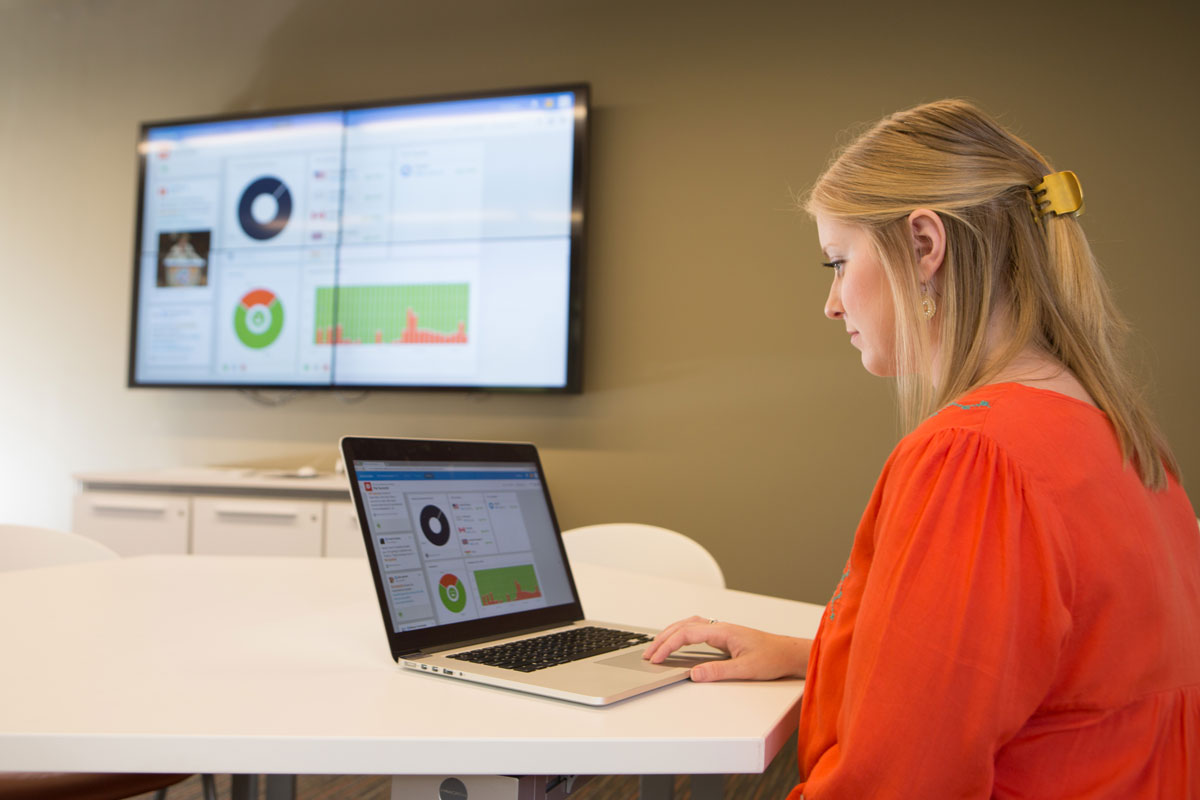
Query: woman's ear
929	241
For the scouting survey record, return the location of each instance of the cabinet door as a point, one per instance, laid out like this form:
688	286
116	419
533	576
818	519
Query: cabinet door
343	537
132	523
253	527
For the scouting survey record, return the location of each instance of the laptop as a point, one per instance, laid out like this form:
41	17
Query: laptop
469	565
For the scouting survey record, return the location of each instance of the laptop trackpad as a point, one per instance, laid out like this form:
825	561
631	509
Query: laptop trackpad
683	658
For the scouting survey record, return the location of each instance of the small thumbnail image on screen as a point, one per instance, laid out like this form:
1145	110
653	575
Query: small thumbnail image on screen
183	258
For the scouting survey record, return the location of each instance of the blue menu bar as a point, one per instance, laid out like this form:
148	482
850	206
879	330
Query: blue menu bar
445	475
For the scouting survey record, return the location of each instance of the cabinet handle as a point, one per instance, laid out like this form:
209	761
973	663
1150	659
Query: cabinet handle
255	512
147	507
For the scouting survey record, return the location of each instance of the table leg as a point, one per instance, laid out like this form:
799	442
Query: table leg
244	787
656	787
708	787
281	787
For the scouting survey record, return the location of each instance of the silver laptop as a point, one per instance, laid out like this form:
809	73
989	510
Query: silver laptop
472	576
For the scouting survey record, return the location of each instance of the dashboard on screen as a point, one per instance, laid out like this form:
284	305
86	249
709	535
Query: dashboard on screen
419	244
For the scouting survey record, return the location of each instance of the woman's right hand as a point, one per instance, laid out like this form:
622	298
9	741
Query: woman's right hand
753	654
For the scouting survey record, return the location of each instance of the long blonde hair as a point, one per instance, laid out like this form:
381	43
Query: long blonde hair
1040	278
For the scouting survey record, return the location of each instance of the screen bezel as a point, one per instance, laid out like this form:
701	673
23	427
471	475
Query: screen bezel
360	448
576	262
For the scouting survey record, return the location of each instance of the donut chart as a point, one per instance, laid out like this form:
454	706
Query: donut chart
434	525
258	318
450	590
275	188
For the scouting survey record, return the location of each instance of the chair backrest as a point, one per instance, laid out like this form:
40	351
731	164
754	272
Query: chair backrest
26	547
649	549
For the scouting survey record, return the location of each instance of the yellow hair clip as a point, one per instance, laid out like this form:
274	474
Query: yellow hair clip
1058	193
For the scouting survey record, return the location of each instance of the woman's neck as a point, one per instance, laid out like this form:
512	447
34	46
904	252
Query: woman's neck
1030	366
1037	368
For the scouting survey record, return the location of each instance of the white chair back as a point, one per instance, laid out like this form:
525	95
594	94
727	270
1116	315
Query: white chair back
648	549
26	547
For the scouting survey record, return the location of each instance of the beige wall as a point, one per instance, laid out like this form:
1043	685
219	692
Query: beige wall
718	400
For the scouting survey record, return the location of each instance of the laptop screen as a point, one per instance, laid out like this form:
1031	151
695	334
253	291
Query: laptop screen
469	544
456	542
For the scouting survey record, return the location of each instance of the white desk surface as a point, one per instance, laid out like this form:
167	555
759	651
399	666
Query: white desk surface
281	665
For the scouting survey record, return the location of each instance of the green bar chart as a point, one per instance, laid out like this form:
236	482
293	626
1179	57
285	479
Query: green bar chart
506	584
431	313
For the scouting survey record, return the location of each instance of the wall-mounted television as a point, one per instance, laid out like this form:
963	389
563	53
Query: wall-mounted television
433	243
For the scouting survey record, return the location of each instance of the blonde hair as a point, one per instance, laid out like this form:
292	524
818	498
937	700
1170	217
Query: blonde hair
1001	263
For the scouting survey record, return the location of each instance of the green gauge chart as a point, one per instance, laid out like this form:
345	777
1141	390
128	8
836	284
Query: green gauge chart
258	318
450	589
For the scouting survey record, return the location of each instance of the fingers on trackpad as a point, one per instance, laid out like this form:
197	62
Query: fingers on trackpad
685	659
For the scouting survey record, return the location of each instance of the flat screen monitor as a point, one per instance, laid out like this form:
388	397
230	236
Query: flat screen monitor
432	243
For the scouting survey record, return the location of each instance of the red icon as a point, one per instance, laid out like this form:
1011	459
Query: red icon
367	485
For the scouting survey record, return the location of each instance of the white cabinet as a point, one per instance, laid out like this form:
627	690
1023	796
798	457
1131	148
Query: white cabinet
135	523
211	511
343	538
246	526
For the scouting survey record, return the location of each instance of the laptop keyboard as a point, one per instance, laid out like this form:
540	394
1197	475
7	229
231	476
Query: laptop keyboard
530	655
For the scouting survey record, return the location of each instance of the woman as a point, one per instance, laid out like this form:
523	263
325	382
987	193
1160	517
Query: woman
1020	612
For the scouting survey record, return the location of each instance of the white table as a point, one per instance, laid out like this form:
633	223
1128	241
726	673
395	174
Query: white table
280	666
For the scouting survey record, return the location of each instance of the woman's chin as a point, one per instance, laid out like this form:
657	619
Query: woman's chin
880	368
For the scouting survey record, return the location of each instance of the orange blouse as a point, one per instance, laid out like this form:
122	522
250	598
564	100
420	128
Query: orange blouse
1019	618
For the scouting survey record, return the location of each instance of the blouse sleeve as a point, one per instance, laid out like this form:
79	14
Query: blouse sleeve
962	618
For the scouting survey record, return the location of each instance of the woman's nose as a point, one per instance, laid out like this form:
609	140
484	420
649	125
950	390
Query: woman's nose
833	303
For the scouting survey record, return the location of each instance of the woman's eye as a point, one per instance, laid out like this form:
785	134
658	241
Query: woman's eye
835	265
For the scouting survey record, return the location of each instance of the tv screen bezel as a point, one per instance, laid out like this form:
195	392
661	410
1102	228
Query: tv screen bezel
576	262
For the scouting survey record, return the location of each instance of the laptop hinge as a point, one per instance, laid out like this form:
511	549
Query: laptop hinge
428	651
